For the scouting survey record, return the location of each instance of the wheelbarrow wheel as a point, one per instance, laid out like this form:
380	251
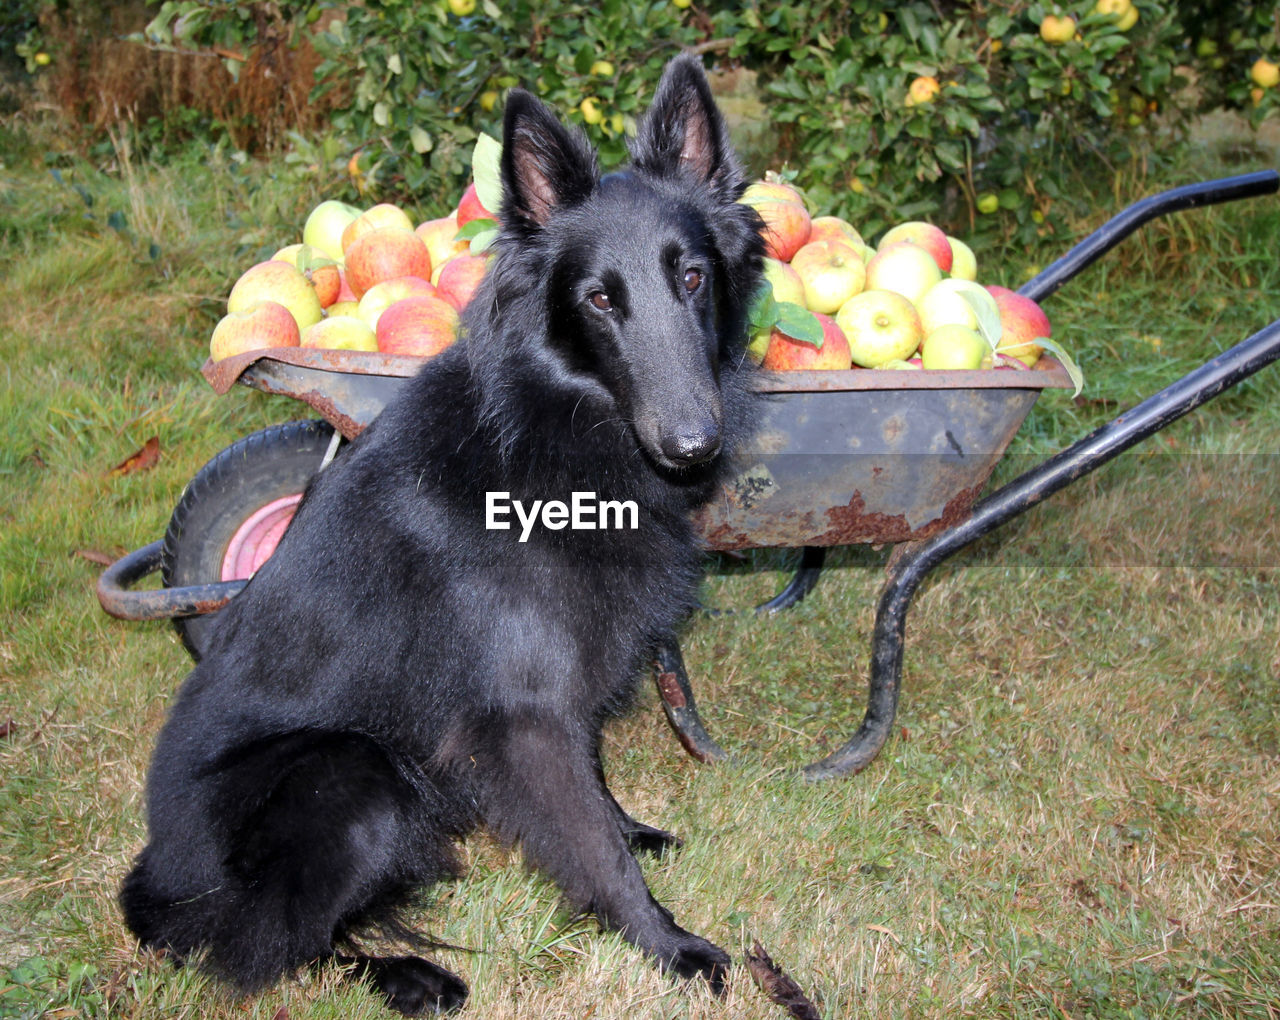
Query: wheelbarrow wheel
233	512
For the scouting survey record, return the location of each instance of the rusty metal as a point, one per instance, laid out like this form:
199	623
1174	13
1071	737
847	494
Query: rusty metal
870	465
679	705
118	600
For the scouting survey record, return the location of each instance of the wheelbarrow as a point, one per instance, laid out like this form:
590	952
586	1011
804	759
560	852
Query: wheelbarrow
842	457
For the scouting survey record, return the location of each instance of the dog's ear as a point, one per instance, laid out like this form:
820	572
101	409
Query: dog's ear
544	166
684	133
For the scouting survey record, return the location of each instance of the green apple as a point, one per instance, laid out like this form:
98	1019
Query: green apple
279	282
880	325
325	224
831	271
785	281
953	302
964	264
954	347
340	333
903	267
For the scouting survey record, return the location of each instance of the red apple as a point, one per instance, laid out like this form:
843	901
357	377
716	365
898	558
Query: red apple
881	326
266	324
438	236
378	217
771	191
340	333
832	272
417	325
1022	321
327	281
903	267
786	220
470	208
787	355
833	228
460	278
381	296
926	235
279	282
384	254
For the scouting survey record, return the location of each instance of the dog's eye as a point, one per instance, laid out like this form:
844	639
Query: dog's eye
600	300
692	280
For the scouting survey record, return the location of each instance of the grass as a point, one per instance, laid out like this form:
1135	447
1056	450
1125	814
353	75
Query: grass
1078	814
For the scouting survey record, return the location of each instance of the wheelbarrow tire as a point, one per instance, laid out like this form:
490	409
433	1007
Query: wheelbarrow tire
260	471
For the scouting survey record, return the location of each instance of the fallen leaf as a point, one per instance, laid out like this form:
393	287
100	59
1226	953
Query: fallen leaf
6	729
144	460
779	986
95	556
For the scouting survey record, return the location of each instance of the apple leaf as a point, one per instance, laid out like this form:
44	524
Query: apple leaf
799	324
1073	370
985	311
762	314
479	232
486	171
421	140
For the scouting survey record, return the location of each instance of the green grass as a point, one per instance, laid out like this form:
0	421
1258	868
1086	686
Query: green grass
1077	814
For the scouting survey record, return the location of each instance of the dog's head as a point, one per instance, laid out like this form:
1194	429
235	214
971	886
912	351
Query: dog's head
644	275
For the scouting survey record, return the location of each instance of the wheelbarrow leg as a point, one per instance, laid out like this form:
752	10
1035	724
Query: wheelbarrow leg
801	583
1024	492
678	703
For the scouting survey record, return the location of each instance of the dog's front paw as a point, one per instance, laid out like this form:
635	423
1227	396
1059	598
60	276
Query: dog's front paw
696	957
414	986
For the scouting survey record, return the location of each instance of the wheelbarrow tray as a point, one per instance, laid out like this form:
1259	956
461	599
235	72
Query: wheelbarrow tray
841	457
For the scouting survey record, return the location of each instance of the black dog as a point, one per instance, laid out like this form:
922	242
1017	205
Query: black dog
401	670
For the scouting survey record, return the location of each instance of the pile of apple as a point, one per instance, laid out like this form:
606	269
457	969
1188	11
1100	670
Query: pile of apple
362	280
911	302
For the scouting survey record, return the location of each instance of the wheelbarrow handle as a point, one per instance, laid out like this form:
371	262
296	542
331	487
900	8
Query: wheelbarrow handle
1016	497
161	603
1120	226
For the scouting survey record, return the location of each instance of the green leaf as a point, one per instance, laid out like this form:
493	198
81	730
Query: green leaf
483	238
1073	370
799	323
762	314
419	139
474	229
486	171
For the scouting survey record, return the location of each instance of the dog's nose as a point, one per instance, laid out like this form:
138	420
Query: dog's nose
692	446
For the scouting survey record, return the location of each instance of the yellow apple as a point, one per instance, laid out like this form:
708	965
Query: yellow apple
880	325
340	333
279	282
831	271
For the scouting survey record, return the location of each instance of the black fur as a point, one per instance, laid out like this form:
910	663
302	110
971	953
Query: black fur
396	674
